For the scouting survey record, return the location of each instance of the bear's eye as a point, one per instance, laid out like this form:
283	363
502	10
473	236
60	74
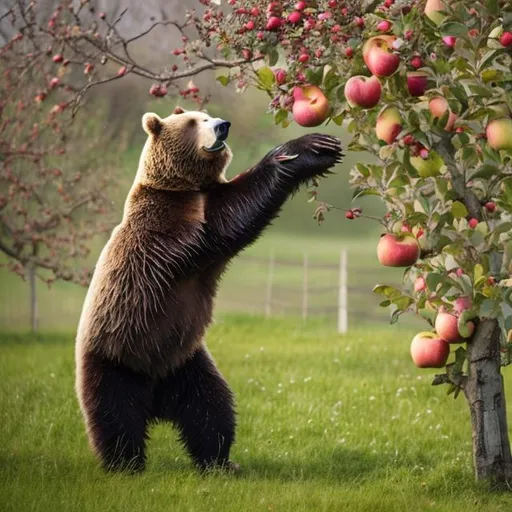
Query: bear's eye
205	120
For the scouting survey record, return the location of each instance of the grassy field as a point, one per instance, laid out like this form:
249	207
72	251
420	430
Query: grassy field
326	423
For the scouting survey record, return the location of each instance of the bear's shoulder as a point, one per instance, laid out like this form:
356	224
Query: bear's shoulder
152	209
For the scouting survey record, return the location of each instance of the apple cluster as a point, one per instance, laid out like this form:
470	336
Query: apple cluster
432	349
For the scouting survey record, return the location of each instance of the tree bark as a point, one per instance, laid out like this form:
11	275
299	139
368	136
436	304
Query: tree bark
486	399
33	297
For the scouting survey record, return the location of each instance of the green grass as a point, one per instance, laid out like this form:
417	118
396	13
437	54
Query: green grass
326	423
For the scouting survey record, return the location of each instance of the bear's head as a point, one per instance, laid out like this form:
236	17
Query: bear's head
184	151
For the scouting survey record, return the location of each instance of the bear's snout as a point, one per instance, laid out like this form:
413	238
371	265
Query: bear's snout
221	129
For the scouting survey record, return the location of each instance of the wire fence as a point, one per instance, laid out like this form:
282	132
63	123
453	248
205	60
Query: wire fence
301	287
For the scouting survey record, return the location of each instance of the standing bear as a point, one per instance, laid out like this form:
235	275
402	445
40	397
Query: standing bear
140	350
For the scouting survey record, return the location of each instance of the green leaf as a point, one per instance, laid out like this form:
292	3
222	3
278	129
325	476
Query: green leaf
331	80
266	77
387	290
314	76
281	116
459	210
493	7
462	323
273	57
478	90
486	171
488	309
360	192
385	303
467	286
454	29
478	272
224	80
433	280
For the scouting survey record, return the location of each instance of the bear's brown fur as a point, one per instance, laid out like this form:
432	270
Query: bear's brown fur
140	351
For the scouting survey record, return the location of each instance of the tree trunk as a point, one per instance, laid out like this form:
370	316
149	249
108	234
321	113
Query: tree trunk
33	297
486	398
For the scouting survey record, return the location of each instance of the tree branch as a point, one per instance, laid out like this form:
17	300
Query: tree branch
446	150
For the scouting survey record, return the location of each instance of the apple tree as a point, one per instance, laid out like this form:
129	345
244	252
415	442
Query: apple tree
426	88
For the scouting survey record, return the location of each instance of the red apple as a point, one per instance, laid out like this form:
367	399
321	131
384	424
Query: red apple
438	106
447	327
462	304
416	83
54	82
274	23
294	17
506	39
363	91
490	206
310	106
449	41
280	75
420	284
388	125
416	62
384	26
397	250
349	52
429	351
379	57
499	133
432	10
473	223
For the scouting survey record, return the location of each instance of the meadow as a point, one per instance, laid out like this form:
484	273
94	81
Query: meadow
326	423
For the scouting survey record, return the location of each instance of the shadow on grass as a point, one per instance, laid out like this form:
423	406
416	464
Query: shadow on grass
342	464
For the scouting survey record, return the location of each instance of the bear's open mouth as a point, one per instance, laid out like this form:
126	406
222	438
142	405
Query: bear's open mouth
217	146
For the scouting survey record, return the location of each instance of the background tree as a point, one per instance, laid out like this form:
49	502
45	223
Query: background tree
425	87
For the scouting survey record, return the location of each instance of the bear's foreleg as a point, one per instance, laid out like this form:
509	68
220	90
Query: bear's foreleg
197	399
116	403
237	212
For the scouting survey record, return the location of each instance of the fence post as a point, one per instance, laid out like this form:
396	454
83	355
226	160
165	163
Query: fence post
342	293
305	289
270	279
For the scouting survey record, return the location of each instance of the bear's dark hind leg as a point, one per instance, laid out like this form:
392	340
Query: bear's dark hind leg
116	404
197	399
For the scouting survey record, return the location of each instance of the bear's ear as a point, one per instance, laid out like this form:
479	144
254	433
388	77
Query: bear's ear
178	110
151	123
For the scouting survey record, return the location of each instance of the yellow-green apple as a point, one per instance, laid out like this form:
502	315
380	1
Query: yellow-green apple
416	83
397	250
429	351
429	166
310	106
438	107
499	133
433	10
379	57
388	125
447	327
363	91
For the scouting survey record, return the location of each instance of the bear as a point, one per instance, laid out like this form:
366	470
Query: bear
141	355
